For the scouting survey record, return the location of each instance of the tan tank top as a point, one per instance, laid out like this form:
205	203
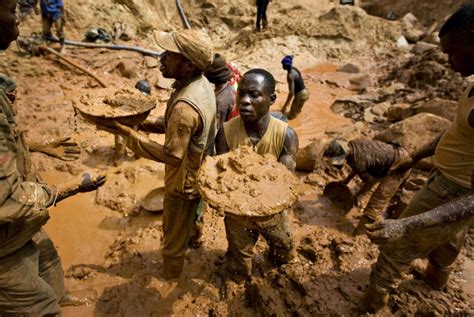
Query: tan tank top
454	155
271	142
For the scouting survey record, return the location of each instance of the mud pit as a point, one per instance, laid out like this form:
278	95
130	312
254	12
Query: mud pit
108	244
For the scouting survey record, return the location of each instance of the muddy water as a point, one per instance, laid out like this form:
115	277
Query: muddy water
316	115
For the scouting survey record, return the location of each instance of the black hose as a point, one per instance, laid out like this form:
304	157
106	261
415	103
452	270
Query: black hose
183	15
108	46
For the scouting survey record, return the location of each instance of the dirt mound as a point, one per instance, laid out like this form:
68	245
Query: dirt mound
329	261
244	183
428	12
427	75
415	132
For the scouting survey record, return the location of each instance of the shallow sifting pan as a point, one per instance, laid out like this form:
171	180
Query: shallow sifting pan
105	107
153	201
340	195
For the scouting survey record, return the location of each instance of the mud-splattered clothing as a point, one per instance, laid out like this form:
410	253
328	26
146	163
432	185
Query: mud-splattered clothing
178	223
47	24
298	103
242	232
189	136
23	201
27	261
271	142
441	247
454	155
242	235
372	158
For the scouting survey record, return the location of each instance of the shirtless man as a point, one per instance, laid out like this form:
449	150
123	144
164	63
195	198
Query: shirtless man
298	94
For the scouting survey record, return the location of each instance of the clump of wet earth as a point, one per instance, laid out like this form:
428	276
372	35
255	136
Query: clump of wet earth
244	183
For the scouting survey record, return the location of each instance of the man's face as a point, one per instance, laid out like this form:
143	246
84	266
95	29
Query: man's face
460	53
8	23
173	65
253	97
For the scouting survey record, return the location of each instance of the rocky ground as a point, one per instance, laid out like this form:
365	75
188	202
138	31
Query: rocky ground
363	80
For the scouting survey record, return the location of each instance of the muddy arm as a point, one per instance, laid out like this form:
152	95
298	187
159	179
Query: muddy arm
452	215
405	163
86	183
290	147
144	147
153	126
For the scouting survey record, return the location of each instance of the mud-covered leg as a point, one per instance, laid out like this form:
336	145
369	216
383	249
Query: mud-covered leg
178	219
22	291
278	235
241	238
379	200
50	268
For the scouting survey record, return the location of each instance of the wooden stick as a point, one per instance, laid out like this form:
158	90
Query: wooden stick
67	60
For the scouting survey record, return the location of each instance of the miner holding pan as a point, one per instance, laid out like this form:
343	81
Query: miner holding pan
257	128
189	128
31	277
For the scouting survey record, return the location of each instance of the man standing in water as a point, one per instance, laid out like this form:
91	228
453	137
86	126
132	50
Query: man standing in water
451	178
297	91
31	277
257	128
189	127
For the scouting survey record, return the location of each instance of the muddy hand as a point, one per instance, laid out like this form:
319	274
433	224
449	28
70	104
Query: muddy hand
385	231
91	182
63	149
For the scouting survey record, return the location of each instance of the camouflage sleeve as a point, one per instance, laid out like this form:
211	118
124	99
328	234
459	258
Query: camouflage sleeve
19	199
27	200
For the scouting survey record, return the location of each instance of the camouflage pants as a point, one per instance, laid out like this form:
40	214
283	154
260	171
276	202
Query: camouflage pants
440	245
47	24
179	217
242	235
31	280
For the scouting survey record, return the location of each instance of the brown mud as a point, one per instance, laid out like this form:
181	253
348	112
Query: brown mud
244	183
109	244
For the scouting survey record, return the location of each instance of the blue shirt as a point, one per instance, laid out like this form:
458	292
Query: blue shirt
51	9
